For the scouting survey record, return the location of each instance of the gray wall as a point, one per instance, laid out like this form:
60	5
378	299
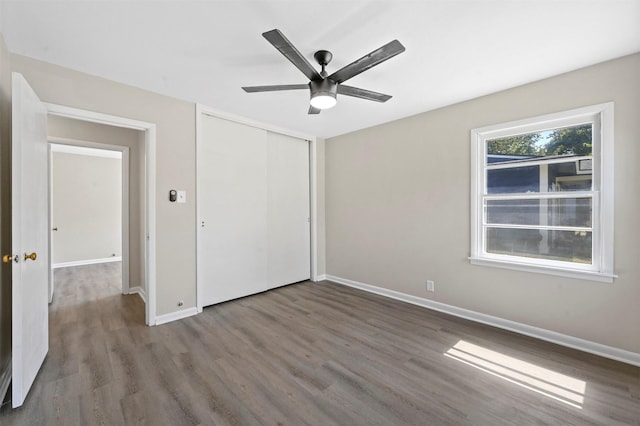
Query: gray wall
87	207
398	200
5	203
85	132
175	162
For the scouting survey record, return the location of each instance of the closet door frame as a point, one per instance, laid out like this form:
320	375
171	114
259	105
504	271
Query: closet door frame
201	111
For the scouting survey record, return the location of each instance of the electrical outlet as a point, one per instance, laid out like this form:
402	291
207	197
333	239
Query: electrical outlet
431	286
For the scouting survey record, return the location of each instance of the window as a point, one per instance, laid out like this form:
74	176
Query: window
542	194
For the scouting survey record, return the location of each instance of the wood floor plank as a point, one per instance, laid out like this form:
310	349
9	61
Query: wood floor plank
64	397
317	354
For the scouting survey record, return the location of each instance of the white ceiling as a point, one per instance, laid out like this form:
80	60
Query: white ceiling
204	51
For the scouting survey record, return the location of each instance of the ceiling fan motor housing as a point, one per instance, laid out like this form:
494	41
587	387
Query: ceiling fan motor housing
325	87
323	93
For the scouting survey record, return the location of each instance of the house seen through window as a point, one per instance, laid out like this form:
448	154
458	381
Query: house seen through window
543	187
538	194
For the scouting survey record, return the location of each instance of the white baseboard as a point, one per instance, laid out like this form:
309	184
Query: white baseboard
140	291
177	315
321	277
5	380
86	262
539	333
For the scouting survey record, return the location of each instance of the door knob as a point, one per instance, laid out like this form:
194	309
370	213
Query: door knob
31	256
7	258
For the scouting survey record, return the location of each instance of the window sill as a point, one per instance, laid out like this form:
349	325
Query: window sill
569	273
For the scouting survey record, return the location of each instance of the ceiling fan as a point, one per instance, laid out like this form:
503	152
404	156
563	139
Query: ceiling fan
324	88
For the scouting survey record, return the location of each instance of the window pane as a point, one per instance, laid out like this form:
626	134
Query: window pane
514	212
544	177
513	180
574	140
570	212
558	156
554	212
568	246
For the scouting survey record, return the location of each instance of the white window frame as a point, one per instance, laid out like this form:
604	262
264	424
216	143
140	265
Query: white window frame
602	267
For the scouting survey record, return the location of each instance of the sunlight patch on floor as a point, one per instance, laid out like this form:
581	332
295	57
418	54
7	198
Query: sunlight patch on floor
546	382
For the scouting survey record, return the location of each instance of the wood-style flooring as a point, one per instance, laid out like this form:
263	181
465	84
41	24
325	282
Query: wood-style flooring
318	354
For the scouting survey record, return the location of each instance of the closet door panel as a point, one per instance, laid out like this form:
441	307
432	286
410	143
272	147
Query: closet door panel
232	201
288	226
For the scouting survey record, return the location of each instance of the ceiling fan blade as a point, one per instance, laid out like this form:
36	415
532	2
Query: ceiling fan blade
273	88
356	92
370	60
280	42
314	110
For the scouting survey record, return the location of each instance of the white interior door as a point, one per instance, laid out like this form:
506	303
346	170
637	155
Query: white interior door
232	201
30	237
288	210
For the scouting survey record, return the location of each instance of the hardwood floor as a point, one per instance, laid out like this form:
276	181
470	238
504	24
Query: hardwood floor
307	353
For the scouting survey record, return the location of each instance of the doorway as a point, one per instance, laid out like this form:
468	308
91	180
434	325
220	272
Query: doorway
145	236
89	205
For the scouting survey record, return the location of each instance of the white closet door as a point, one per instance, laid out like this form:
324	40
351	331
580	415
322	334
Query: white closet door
288	235
232	202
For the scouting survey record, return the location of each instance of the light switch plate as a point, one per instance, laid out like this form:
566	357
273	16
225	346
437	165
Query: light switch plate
182	196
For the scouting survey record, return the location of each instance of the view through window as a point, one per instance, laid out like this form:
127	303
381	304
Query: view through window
539	194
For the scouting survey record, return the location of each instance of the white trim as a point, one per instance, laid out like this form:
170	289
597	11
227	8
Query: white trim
150	188
124	219
476	192
549	270
96	117
313	205
599	349
606	165
545	122
83	150
541	195
150	214
320	278
199	279
177	315
313	192
140	291
601	118
86	262
5	380
57	141
536	162
203	109
51	283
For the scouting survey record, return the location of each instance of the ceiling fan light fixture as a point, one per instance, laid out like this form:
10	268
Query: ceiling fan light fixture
323	94
323	101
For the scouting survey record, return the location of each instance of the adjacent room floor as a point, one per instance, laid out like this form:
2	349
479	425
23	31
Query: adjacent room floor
307	353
